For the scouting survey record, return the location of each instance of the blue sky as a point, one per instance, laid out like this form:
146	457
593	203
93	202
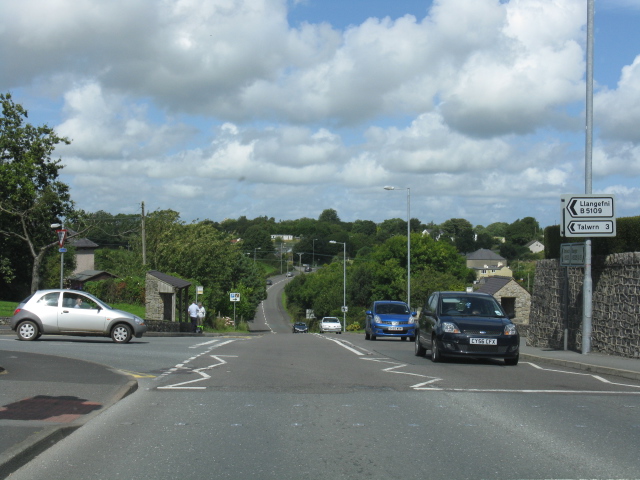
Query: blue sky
284	108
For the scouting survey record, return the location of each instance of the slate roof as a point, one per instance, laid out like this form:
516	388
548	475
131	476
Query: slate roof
492	285
87	275
485	254
173	281
82	243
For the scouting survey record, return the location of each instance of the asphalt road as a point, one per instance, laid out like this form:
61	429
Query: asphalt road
284	406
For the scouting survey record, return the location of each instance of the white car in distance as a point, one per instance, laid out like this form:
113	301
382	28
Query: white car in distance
330	324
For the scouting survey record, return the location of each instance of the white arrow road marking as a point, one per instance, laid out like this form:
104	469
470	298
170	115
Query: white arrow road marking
199	371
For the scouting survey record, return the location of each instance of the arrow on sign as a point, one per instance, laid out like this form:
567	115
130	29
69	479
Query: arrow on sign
591	227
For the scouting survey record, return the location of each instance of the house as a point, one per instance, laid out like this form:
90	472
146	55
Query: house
512	296
85	254
487	263
78	279
535	246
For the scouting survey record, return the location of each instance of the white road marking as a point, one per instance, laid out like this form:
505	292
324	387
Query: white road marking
423	387
199	371
342	344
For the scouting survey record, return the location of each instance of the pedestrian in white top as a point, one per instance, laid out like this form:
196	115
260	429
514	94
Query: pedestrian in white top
193	314
201	314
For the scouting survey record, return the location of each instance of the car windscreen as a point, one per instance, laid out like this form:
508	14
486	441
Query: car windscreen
392	309
470	305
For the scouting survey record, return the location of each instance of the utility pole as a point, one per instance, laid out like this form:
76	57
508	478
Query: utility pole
144	239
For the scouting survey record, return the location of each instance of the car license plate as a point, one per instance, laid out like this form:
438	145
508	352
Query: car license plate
396	328
483	341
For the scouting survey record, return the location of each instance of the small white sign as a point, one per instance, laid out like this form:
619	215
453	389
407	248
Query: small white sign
234	297
199	289
345	309
572	255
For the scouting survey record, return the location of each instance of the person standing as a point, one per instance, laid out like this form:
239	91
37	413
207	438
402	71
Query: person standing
193	314
201	314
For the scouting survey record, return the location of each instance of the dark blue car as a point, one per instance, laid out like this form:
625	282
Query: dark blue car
464	324
390	318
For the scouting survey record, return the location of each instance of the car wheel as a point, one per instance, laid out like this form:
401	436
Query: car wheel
28	330
512	361
121	333
366	335
373	337
435	352
404	339
418	349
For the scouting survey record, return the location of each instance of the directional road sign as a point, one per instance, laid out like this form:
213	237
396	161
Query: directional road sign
593	206
588	216
234	297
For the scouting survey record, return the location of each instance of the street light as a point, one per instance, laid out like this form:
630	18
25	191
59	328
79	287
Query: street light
344	284
408	241
59	228
254	254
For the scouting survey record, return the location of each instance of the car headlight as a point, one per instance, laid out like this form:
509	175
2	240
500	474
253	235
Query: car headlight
449	327
411	320
376	319
510	329
138	320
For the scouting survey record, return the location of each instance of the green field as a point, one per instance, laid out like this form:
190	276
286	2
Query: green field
7	308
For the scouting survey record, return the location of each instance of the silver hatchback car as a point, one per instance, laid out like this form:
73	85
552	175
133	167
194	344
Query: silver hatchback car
72	312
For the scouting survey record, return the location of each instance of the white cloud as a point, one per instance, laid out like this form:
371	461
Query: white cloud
219	107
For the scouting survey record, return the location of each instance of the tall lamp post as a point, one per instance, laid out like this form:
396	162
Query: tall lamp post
344	284
254	254
408	241
62	235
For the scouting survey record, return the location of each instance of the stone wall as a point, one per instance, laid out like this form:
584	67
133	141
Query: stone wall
616	305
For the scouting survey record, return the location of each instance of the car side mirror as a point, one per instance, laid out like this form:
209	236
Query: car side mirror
511	316
368	312
413	314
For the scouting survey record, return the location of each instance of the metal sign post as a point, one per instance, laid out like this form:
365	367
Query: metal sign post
235	298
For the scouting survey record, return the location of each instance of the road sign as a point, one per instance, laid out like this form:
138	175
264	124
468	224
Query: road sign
199	289
593	206
62	235
590	228
572	254
345	309
588	216
234	297
62	250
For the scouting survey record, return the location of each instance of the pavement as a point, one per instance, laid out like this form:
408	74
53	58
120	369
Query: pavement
45	398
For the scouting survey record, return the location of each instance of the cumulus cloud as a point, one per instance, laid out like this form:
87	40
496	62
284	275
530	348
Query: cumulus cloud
214	104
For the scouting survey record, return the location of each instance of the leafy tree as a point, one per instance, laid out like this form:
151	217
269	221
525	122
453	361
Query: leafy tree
497	229
365	227
329	216
32	197
257	241
522	231
465	241
455	226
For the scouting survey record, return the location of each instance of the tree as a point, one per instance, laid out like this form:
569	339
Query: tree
32	197
329	215
522	231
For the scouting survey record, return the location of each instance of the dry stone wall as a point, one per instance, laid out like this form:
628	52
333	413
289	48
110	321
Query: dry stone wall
616	305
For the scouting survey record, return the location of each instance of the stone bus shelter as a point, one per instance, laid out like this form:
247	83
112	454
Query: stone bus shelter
164	295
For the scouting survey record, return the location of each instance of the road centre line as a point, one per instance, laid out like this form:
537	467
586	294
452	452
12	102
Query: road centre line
342	344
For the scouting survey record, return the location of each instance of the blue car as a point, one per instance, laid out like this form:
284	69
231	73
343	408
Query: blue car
390	318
